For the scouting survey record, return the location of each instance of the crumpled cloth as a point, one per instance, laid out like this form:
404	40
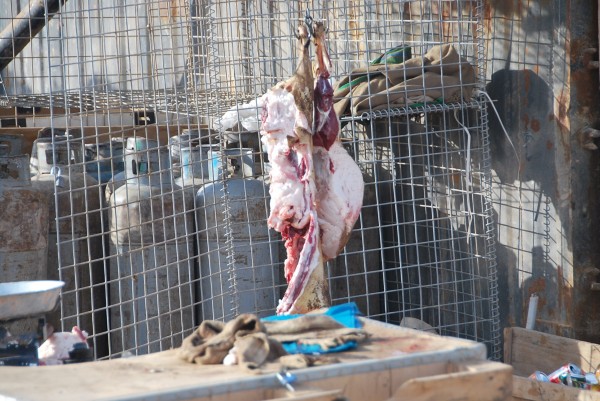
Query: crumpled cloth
335	330
441	75
254	342
213	340
251	351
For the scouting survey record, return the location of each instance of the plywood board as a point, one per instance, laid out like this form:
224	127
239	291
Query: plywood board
160	375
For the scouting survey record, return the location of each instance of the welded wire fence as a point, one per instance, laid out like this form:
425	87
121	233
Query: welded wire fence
160	219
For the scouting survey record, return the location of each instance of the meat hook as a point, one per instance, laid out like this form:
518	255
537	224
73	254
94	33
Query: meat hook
308	21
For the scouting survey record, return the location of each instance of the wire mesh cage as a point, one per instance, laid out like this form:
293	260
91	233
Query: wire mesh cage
161	211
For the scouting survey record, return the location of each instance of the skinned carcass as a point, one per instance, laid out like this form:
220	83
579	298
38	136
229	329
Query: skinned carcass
316	188
286	130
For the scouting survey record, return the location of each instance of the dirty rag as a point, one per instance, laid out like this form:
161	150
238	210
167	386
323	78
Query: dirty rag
335	330
251	342
211	342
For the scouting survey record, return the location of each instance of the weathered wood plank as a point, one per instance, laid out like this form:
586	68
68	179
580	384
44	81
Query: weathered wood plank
470	381
22	112
532	350
508	340
162	133
525	389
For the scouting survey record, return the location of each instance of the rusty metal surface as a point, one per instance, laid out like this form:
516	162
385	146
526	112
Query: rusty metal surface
586	175
545	197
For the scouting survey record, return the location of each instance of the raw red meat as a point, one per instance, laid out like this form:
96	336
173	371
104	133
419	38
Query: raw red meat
338	179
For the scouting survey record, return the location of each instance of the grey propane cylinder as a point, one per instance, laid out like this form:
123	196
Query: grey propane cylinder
104	159
189	138
152	267
75	232
238	273
23	228
194	172
195	163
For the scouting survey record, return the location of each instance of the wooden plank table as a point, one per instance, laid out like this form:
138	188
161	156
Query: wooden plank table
396	362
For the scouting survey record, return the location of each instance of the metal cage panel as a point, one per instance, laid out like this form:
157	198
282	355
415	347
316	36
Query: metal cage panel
142	88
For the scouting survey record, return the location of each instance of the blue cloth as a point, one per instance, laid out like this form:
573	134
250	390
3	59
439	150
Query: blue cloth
345	314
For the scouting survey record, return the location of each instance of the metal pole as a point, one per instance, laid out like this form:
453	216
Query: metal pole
24	27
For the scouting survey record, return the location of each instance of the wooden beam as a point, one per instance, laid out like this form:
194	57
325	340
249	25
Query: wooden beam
24	112
162	133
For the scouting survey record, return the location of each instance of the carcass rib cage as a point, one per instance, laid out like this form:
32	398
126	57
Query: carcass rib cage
423	247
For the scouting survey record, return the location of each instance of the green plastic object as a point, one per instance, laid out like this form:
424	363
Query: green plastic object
396	55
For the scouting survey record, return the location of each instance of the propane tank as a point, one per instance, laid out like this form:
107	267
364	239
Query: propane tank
113	183
194	162
105	159
152	265
74	239
47	133
193	167
187	139
23	227
246	284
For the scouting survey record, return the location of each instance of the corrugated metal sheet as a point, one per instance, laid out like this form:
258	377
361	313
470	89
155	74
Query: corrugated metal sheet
102	46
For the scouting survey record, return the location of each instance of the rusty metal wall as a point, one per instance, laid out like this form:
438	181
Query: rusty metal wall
545	195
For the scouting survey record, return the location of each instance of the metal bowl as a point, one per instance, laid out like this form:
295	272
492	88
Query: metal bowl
28	298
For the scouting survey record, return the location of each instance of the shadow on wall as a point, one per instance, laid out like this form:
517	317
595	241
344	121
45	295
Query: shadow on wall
524	102
545	278
531	220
